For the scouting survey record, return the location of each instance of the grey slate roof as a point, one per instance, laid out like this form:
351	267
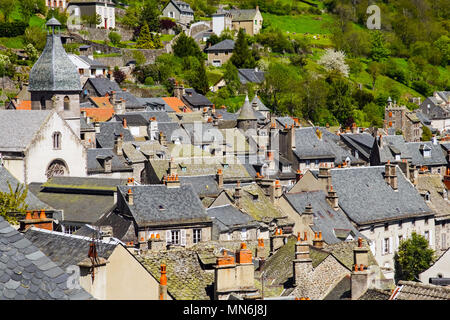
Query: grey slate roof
183	6
258	105
247	112
202	185
172	131
360	188
225	45
228	218
251	75
92	63
14	122
131	102
363	142
227	116
31	200
409	290
28	274
309	146
159	204
54	71
283	121
108	130
196	99
437	154
243	14
325	219
71	194
155	104
65	249
118	163
103	85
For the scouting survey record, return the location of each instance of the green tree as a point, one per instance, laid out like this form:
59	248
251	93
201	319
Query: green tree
7	7
114	37
150	15
231	78
186	46
145	40
242	55
36	36
426	133
374	69
91	20
28	8
413	257
13	202
139	57
32	53
199	81
339	100
379	50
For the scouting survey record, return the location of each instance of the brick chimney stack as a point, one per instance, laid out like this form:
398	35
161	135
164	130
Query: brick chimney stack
276	192
163	283
318	241
298	175
360	275
261	252
219	177
390	175
118	144
245	271
37	220
224	276
238	194
302	262
333	198
172	167
307	216
130	198
276	240
324	176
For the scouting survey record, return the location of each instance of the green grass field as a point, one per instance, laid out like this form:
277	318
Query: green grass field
13	43
299	24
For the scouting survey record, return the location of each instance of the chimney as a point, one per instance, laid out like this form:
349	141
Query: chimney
307	216
354	128
155	243
276	240
245	271
324	176
173	170
404	166
298	175
172	181
97	127
163	283
238	194
118	144
260	251
413	175
291	137
359	276
333	198
224	276
178	90
219	177
434	140
390	175
112	97
37	220
162	139
302	262
318	241
130	198
275	192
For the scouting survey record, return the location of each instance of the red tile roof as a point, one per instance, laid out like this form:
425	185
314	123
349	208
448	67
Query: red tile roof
99	114
176	104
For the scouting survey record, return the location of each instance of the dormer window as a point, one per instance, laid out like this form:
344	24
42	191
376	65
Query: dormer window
397	157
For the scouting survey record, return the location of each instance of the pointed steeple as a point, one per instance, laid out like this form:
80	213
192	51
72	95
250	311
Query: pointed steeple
54	71
246	112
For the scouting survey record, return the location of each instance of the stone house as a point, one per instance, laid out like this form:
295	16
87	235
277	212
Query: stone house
220	53
180	11
248	19
104	8
399	118
437	109
88	67
360	144
46	137
171	212
221	20
229	223
439	272
115	273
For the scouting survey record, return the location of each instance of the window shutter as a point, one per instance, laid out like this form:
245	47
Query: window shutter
244	234
397	243
372	247
168	237
183	237
382	247
390	245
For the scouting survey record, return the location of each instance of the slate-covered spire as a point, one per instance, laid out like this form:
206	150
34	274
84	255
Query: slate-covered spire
247	112
54	71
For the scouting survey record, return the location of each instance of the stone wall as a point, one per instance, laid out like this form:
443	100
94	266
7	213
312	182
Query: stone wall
102	34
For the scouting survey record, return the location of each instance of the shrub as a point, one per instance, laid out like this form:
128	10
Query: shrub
114	37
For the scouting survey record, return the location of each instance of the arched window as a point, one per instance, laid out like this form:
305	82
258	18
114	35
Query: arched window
57	140
42	103
66	103
56	168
